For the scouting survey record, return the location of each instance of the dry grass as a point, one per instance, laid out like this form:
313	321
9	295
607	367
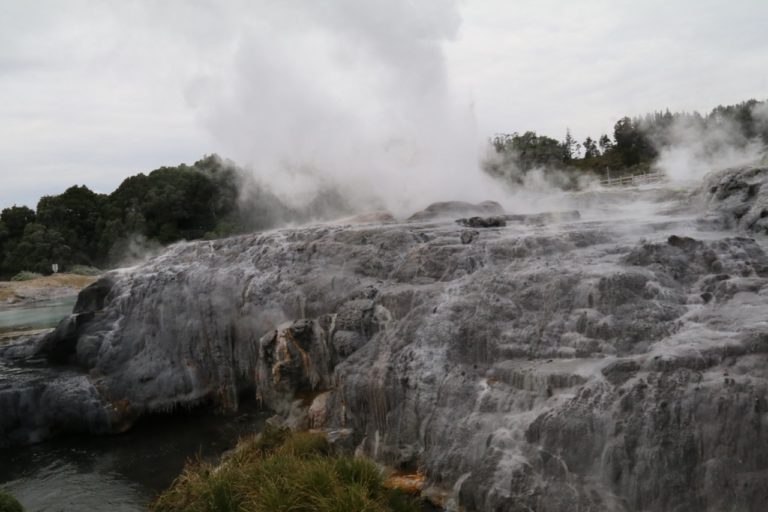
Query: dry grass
410	483
21	289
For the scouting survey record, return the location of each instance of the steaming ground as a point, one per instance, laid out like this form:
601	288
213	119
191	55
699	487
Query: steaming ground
610	361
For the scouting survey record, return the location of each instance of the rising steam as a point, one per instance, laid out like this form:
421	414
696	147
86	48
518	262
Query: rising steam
344	106
694	148
347	96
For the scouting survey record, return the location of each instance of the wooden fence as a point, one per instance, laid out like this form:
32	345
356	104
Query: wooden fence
633	180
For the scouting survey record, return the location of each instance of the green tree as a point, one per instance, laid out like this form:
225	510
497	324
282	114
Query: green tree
38	248
13	222
16	218
76	214
605	143
529	150
590	149
571	148
632	145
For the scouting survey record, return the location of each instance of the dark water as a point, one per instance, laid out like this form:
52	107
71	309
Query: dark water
39	316
122	472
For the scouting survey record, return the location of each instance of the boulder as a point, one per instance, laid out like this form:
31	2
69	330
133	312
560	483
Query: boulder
453	209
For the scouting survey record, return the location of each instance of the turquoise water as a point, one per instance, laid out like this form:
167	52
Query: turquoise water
42	315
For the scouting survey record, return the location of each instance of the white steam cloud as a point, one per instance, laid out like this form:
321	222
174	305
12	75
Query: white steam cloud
347	95
694	148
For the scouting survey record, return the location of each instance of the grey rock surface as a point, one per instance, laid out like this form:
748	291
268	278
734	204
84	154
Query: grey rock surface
454	209
614	360
738	198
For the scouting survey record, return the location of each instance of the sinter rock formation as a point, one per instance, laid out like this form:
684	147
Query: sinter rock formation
615	360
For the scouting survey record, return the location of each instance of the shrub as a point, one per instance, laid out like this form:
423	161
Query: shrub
9	504
84	270
282	471
26	275
303	444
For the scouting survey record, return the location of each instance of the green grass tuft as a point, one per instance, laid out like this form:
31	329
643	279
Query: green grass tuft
83	270
304	444
9	504
26	275
282	471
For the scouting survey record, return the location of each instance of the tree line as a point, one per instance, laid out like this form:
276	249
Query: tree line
212	198
633	146
82	227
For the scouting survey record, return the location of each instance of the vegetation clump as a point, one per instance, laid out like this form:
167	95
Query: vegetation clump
84	270
25	275
282	471
9	504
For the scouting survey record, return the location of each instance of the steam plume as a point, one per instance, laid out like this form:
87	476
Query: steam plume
351	96
695	148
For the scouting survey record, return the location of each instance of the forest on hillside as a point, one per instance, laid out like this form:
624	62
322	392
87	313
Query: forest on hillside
80	227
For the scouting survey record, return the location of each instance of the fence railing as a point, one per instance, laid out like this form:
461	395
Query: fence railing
633	180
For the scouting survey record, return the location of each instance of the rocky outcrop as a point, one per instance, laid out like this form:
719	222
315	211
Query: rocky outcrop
737	198
544	218
571	364
453	209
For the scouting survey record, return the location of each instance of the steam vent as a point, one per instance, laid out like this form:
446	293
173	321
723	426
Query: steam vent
610	355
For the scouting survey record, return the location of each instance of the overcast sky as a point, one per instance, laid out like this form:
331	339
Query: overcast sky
92	92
